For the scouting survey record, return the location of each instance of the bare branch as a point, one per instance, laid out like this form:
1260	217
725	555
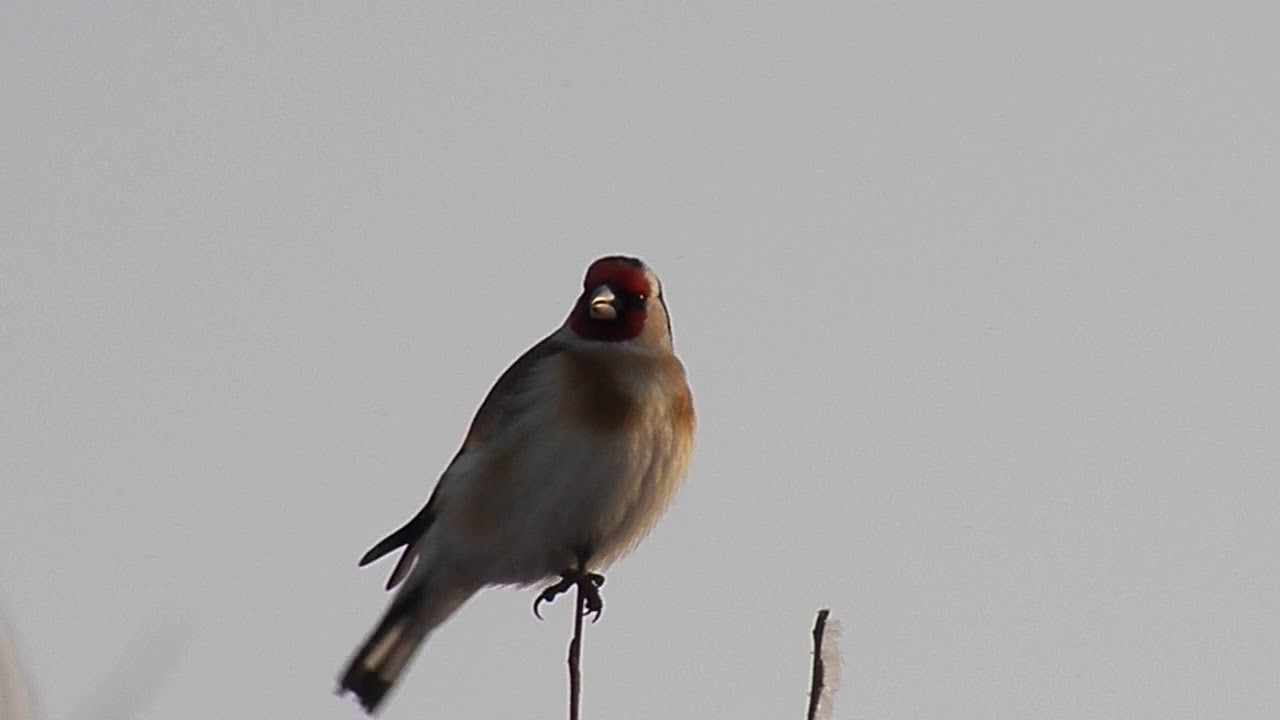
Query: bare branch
575	656
818	678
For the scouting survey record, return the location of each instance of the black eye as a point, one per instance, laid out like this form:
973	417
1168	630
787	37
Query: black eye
637	300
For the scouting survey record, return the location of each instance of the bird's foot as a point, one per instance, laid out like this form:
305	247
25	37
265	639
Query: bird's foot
588	585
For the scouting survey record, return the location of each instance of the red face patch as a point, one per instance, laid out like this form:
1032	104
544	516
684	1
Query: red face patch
622	275
627	278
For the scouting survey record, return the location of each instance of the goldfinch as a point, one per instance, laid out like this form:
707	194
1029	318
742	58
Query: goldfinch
572	457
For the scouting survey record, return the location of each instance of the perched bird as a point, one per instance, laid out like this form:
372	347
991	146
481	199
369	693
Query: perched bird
571	458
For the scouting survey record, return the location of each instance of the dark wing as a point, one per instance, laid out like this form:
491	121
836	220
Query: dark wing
487	421
405	537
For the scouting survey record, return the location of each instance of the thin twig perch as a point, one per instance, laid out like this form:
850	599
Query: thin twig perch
818	677
575	656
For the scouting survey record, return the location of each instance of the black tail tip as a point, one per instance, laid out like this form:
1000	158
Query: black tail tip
369	689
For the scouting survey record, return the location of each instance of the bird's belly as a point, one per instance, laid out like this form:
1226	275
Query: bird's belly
566	493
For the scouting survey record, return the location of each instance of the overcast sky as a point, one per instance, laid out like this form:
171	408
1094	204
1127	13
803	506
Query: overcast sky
978	302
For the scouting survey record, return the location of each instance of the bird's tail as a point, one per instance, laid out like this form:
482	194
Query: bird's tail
376	668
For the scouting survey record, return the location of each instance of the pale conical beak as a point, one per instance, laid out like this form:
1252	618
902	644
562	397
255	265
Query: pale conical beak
603	304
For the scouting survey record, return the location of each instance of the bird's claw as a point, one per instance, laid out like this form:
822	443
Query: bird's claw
588	585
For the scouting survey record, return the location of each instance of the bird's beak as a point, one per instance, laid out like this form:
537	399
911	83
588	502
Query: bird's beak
603	304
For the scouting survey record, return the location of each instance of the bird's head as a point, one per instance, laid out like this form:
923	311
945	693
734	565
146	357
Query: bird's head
621	302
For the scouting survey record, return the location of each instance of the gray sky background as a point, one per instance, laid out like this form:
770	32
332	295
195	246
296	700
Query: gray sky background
978	302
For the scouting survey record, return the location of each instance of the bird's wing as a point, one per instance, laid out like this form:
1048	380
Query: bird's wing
494	413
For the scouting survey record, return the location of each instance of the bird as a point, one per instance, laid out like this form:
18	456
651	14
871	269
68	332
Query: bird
570	460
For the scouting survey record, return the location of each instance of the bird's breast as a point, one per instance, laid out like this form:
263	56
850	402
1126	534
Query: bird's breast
598	458
606	393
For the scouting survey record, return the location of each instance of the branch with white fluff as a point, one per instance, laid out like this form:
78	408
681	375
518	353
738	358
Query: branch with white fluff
824	679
